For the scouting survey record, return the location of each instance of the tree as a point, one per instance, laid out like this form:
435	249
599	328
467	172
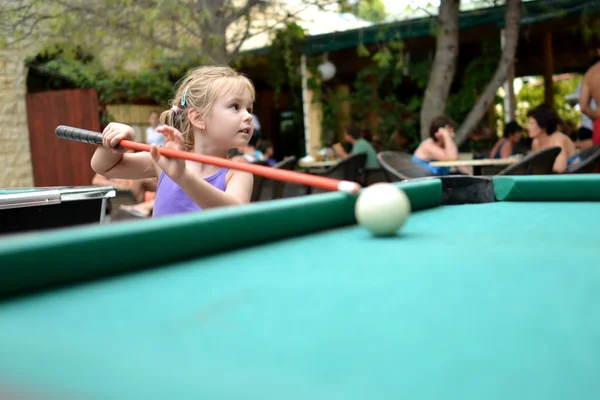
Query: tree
444	64
137	32
513	15
373	11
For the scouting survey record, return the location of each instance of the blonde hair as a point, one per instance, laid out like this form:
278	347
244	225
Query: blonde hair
199	89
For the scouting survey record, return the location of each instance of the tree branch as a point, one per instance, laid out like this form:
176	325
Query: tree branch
513	16
269	27
444	64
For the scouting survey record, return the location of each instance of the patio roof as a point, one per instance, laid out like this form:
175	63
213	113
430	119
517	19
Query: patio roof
533	12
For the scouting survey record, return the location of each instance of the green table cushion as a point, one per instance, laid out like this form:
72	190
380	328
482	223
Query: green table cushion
43	259
577	187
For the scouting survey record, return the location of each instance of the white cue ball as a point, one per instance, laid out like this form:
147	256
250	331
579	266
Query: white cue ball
382	208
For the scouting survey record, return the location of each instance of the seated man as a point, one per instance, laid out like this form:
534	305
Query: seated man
359	145
506	146
541	124
439	147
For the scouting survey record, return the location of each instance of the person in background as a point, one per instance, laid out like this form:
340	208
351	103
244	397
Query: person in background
256	125
352	135
589	98
141	189
138	187
152	136
266	148
542	123
250	151
439	146
396	141
506	146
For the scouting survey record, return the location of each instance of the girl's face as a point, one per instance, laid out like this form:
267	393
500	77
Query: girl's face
229	122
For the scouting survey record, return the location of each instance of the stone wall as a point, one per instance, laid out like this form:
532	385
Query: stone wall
15	155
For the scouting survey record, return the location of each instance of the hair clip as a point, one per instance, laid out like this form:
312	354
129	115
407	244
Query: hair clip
175	109
184	94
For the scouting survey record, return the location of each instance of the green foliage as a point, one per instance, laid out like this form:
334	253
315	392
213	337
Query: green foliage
284	57
590	25
532	95
375	88
113	85
473	81
372	10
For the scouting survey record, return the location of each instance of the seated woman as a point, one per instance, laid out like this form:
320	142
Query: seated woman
506	146
541	124
439	147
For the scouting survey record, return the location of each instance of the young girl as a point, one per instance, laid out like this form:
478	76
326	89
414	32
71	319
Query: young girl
211	114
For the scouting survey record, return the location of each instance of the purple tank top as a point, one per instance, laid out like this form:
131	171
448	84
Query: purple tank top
171	199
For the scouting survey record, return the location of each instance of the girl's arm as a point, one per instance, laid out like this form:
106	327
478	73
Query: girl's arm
239	186
239	189
113	163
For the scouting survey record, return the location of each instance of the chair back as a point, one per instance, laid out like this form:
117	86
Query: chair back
374	175
269	189
399	166
538	163
590	151
348	169
590	160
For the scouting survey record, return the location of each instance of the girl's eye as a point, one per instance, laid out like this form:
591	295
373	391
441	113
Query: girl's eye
235	106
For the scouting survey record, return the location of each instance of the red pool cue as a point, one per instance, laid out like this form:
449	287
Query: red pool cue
86	136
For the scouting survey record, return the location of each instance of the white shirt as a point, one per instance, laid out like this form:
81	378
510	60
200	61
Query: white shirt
586	122
255	122
153	137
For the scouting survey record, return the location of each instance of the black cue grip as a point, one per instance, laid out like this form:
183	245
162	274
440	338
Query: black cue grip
78	135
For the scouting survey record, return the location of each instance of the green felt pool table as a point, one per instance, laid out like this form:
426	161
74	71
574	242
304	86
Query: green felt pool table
290	299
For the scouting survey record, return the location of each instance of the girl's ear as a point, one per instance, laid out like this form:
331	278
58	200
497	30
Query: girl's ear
196	119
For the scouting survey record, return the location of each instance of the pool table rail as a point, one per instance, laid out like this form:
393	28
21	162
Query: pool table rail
36	261
40	260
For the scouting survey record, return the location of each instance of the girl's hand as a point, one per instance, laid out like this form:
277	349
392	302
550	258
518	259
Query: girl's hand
174	167
114	133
